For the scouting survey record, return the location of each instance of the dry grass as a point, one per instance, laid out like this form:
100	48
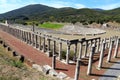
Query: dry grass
9	72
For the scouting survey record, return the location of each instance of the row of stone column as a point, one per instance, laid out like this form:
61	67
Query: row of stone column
35	40
114	43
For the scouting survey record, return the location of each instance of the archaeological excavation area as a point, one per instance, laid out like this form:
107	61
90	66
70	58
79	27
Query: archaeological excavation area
70	59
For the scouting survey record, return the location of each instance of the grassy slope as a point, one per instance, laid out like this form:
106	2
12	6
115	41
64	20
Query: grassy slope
9	71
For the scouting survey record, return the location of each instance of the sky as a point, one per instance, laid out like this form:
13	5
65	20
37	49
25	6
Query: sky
8	5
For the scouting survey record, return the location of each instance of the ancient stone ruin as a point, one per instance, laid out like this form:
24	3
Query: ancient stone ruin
48	44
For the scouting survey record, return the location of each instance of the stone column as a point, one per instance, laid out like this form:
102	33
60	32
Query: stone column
110	39
86	47
101	44
98	45
39	42
48	50
77	71
30	38
54	62
43	50
91	60
22	36
80	51
68	53
54	47
60	50
110	51
36	40
116	48
101	55
33	39
75	52
17	33
27	37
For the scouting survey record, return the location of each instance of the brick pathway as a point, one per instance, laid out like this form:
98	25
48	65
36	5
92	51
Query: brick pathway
42	59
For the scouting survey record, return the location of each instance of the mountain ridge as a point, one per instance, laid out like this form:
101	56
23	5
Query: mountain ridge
38	12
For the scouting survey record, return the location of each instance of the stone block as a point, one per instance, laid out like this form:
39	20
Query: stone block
53	72
37	67
49	53
46	69
4	45
1	42
29	62
69	78
22	58
61	75
9	49
15	53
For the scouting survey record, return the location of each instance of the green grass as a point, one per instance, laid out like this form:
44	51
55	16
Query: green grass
51	25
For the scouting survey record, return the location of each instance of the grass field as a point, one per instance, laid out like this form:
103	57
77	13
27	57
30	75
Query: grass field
51	25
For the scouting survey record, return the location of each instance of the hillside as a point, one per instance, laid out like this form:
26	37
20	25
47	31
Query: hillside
42	13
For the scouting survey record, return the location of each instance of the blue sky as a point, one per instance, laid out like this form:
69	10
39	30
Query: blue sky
8	5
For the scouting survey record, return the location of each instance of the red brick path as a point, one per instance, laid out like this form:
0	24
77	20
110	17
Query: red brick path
40	58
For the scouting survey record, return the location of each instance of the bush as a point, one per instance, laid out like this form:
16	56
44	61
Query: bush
71	55
63	55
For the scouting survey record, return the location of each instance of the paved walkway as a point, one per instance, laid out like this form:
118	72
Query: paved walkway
112	73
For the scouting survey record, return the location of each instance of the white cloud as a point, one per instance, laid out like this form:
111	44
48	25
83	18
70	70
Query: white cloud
79	6
109	6
60	4
57	4
3	1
